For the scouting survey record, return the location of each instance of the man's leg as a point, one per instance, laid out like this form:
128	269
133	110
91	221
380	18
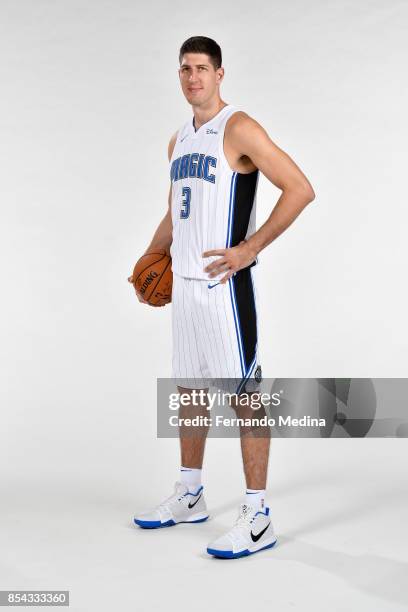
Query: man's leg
187	504
255	443
192	438
253	530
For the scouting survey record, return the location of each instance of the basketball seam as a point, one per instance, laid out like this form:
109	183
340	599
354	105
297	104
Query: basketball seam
150	264
158	280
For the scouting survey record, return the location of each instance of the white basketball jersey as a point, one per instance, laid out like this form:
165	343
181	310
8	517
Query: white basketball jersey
213	207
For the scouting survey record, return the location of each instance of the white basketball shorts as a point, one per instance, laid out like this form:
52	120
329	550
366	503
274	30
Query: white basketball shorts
215	332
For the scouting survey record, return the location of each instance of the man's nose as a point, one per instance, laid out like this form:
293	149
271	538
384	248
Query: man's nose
193	76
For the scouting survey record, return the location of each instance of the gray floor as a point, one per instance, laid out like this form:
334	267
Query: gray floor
339	507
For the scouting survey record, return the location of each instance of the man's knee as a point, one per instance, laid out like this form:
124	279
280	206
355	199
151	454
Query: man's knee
248	405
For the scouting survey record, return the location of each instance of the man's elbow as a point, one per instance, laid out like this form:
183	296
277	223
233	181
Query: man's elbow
311	196
307	193
302	191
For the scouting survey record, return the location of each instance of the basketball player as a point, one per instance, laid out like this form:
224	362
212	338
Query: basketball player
209	229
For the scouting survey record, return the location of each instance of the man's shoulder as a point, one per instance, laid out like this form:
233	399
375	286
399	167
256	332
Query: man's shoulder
239	117
240	120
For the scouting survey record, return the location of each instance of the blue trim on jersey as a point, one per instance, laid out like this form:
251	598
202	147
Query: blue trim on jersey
256	311
247	375
237	328
231	209
230	281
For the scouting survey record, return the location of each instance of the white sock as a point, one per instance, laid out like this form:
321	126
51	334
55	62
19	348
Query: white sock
191	477
255	498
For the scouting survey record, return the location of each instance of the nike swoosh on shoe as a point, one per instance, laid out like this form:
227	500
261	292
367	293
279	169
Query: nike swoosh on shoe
256	537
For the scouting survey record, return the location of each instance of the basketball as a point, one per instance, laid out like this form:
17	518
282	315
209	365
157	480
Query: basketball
153	278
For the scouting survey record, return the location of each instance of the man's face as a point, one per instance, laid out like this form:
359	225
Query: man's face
198	77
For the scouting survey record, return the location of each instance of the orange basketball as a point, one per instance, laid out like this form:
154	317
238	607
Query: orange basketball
153	277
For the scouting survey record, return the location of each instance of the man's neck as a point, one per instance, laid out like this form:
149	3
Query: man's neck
203	115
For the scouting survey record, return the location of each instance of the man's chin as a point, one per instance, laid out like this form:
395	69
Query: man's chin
195	99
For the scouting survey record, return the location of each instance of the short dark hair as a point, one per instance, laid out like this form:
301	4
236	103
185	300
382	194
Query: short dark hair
202	44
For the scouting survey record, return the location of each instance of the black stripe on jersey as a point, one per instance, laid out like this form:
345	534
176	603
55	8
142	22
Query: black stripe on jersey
245	189
245	303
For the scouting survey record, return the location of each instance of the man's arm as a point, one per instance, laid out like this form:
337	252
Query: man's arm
249	139
163	235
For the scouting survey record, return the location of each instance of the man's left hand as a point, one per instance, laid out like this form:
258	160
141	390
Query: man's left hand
230	261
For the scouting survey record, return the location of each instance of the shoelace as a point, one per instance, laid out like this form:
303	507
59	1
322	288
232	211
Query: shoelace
165	504
243	520
242	523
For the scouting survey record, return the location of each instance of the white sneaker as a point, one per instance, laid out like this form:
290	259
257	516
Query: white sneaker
252	532
181	507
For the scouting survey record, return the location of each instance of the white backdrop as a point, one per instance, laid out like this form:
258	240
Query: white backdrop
90	97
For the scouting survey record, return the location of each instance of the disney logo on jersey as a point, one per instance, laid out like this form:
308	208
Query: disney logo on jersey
193	165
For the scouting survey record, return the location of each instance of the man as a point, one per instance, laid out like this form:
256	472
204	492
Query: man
209	229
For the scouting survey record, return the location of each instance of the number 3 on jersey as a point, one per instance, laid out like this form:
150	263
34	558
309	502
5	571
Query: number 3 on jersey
185	205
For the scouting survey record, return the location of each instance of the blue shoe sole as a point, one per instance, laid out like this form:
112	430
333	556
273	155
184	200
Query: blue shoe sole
228	554
170	523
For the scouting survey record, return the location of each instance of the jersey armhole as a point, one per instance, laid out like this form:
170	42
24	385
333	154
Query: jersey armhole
221	141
